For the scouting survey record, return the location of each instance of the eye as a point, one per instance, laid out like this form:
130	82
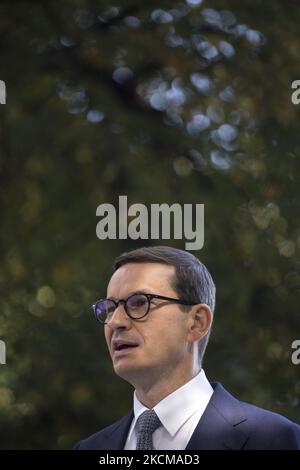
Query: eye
108	307
137	301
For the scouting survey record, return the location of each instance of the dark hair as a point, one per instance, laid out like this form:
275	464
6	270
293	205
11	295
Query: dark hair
192	280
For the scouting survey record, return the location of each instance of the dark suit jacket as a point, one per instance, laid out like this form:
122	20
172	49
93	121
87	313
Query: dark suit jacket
226	423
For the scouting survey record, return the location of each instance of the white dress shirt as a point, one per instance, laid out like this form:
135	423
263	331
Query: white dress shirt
179	414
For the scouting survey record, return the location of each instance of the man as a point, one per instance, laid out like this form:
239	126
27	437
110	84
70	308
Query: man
157	319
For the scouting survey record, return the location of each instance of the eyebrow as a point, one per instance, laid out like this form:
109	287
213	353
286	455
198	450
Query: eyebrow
140	291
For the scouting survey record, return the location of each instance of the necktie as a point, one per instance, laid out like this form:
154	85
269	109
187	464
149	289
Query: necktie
146	424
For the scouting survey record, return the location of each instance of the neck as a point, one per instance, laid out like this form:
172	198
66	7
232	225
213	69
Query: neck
150	394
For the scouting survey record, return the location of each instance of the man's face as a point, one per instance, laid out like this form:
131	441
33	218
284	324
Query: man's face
161	335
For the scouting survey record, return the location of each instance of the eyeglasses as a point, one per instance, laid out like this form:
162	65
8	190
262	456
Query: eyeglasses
136	306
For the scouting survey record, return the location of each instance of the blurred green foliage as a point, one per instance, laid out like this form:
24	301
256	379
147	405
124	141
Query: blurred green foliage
162	101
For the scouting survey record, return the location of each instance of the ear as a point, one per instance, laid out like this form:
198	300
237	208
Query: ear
200	322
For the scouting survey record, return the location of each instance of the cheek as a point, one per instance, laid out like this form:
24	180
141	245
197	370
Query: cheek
107	337
164	340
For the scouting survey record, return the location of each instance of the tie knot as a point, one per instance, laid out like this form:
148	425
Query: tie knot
146	424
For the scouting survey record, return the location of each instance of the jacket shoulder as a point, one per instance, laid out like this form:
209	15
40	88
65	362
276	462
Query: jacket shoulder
261	428
275	430
93	442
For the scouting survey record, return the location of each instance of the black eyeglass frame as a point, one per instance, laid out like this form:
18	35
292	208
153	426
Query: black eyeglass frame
149	298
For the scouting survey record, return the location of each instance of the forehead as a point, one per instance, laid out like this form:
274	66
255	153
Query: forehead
147	277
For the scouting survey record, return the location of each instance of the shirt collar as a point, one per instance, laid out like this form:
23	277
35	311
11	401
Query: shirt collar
175	409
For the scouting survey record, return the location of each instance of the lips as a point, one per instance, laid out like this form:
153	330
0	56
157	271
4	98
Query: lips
120	345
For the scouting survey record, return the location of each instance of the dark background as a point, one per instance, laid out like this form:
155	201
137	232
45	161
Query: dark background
161	101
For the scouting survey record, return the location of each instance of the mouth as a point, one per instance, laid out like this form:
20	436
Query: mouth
120	348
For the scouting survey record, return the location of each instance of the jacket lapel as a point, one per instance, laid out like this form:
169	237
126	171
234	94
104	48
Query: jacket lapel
218	427
116	435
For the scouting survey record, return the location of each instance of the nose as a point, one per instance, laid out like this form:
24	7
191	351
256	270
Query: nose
119	318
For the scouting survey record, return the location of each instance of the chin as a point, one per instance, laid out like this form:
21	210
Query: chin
130	373
125	374
137	374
